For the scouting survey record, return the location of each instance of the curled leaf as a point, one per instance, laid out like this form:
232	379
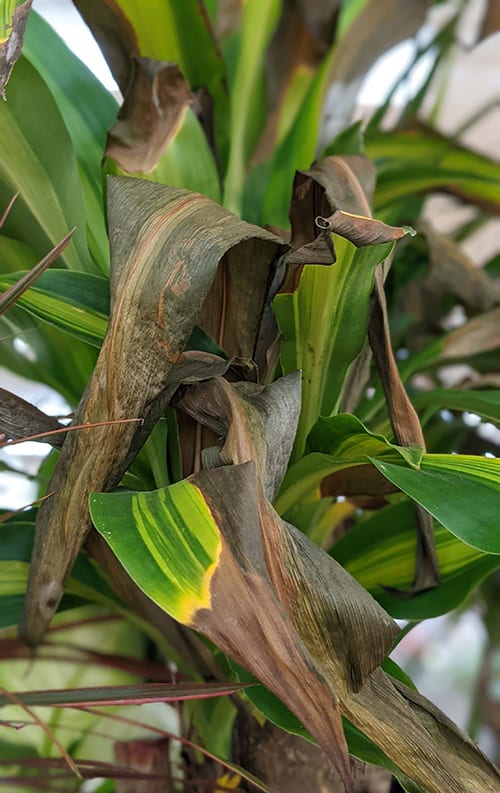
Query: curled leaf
152	111
362	230
165	248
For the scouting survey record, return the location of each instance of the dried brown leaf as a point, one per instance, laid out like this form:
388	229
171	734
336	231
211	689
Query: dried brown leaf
491	21
11	42
361	230
155	102
19	418
114	34
480	334
165	247
452	271
9	297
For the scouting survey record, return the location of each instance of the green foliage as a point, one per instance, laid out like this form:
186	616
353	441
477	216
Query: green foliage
199	313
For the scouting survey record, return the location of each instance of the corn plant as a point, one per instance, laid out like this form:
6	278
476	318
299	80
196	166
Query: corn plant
245	476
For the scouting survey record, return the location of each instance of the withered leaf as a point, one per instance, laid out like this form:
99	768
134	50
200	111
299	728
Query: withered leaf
11	42
452	271
166	244
154	105
115	35
342	630
19	418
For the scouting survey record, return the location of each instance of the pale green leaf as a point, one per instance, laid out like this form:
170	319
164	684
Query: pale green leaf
87	120
324	324
33	145
380	552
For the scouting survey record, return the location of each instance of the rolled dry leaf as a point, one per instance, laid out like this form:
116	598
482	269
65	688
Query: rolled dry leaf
166	245
152	112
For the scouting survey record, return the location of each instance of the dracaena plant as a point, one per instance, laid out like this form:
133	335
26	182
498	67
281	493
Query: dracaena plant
216	320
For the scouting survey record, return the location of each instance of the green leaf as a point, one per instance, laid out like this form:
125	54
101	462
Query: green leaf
324	324
258	22
15	255
380	552
87	120
484	403
335	444
85	585
175	548
78	303
422	160
461	491
33	144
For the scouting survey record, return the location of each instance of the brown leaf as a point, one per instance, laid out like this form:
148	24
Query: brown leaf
155	102
356	481
406	427
165	248
114	34
362	230
11	295
491	21
19	418
332	183
419	738
11	42
258	423
480	334
248	622
451	271
237	313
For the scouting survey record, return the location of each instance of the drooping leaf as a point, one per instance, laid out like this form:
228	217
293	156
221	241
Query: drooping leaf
13	16
461	491
156	100
379	552
323	316
258	423
264	572
406	428
232	579
484	403
168	31
448	167
165	246
122	695
188	161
